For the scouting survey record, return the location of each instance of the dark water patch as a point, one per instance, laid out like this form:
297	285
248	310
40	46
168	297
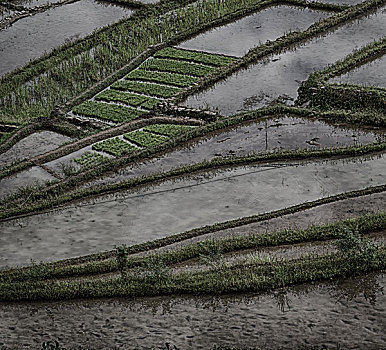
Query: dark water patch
31	177
31	37
371	74
238	37
282	74
335	314
271	135
33	145
133	217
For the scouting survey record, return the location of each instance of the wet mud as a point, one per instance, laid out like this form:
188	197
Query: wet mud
343	313
171	207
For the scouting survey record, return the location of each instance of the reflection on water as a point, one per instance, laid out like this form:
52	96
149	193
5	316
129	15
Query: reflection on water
286	319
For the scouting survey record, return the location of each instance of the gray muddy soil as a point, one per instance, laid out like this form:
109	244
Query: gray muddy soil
348	314
175	206
238	37
33	145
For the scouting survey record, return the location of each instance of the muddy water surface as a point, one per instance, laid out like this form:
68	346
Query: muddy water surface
237	38
31	37
344	314
31	177
256	137
282	74
176	206
33	145
372	74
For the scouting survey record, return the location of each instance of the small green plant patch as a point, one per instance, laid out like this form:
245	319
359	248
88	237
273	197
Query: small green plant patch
144	138
146	88
176	79
169	130
89	158
127	98
109	112
114	146
174	66
194	56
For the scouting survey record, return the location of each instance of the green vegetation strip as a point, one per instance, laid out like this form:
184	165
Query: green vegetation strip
89	158
127	98
114	146
108	112
174	66
171	130
146	88
362	225
175	79
144	138
66	72
247	277
195	56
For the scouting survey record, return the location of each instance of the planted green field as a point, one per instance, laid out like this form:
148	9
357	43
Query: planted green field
108	112
176	79
127	98
114	146
198	57
174	66
89	158
146	88
145	139
169	130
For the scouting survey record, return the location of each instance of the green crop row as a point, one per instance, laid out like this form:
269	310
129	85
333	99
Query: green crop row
174	66
89	158
146	88
144	138
170	130
114	146
127	98
194	56
176	79
109	112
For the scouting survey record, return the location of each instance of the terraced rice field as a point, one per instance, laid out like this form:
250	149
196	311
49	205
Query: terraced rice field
192	174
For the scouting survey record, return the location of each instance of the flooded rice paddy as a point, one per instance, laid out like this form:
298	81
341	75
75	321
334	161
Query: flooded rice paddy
370	74
348	312
282	74
31	37
237	38
175	206
275	134
31	177
33	145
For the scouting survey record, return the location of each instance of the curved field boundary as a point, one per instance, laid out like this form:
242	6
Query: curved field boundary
65	192
324	95
242	277
94	264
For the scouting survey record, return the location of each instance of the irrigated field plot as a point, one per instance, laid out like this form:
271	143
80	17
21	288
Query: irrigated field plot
192	174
